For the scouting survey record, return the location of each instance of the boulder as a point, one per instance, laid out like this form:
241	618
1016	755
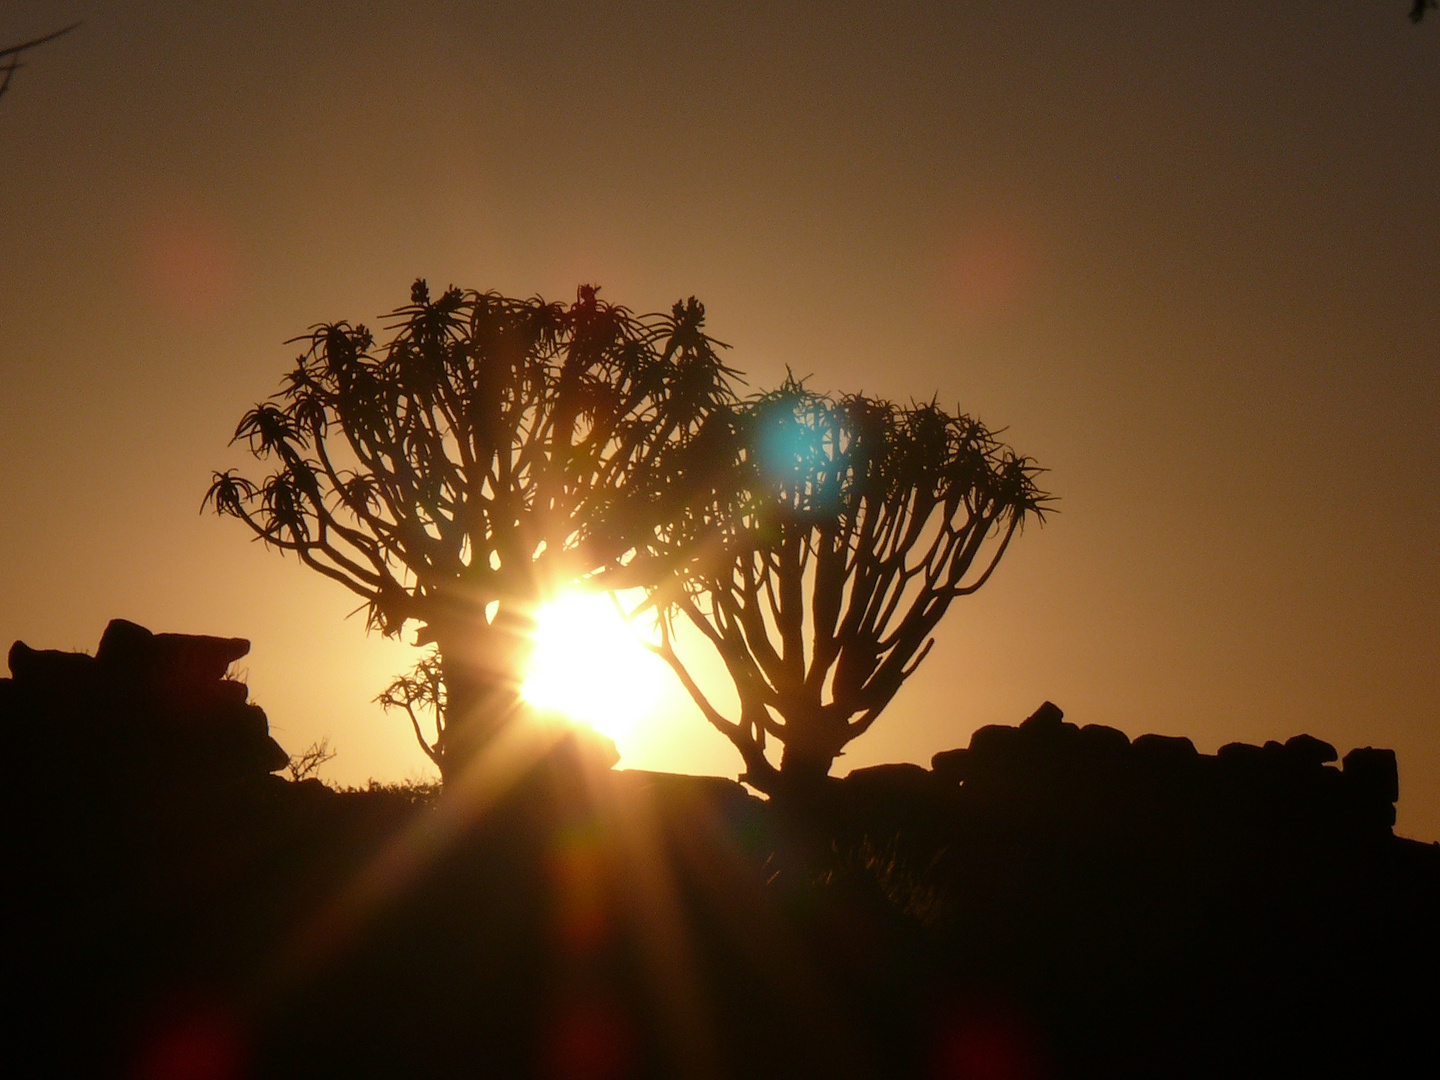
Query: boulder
187	658
1373	772
995	741
899	780
1310	751
678	789
1044	721
1165	750
50	667
1241	755
949	766
1101	741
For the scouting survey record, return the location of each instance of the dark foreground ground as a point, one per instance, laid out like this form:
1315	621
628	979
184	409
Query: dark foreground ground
1052	901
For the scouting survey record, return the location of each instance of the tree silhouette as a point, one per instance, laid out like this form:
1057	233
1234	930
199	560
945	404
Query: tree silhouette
10	57
856	524
490	452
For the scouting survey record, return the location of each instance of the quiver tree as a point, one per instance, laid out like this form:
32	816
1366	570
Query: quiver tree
488	452
820	575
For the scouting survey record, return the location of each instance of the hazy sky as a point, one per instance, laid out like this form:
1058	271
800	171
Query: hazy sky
1186	254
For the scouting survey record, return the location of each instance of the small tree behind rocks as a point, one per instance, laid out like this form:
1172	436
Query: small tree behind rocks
307	763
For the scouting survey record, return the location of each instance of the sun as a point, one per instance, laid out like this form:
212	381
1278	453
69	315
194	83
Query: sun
590	665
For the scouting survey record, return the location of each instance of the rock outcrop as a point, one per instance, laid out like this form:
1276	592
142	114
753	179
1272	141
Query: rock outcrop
151	708
1055	768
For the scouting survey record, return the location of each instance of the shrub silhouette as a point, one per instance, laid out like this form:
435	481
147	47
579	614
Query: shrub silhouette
821	566
307	762
489	452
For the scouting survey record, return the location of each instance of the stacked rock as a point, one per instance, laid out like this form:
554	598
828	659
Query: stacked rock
1056	768
157	707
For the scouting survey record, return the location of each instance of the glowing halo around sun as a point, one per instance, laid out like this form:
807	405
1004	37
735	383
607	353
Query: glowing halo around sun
589	665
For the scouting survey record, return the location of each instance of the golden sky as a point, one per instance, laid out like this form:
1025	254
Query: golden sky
1185	254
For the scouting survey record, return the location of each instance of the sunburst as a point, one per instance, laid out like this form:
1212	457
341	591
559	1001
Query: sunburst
590	666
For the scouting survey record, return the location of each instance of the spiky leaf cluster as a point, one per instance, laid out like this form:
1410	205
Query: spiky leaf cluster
487	448
821	569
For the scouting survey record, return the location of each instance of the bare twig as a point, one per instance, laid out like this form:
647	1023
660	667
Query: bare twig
307	763
10	57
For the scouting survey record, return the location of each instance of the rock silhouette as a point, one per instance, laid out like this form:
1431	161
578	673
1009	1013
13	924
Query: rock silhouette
1095	774
1052	901
145	706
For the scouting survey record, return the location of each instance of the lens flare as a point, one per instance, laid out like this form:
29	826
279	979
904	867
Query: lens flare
190	263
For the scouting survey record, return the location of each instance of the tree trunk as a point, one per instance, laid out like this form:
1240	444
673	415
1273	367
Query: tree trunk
813	740
484	667
474	709
800	764
812	743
